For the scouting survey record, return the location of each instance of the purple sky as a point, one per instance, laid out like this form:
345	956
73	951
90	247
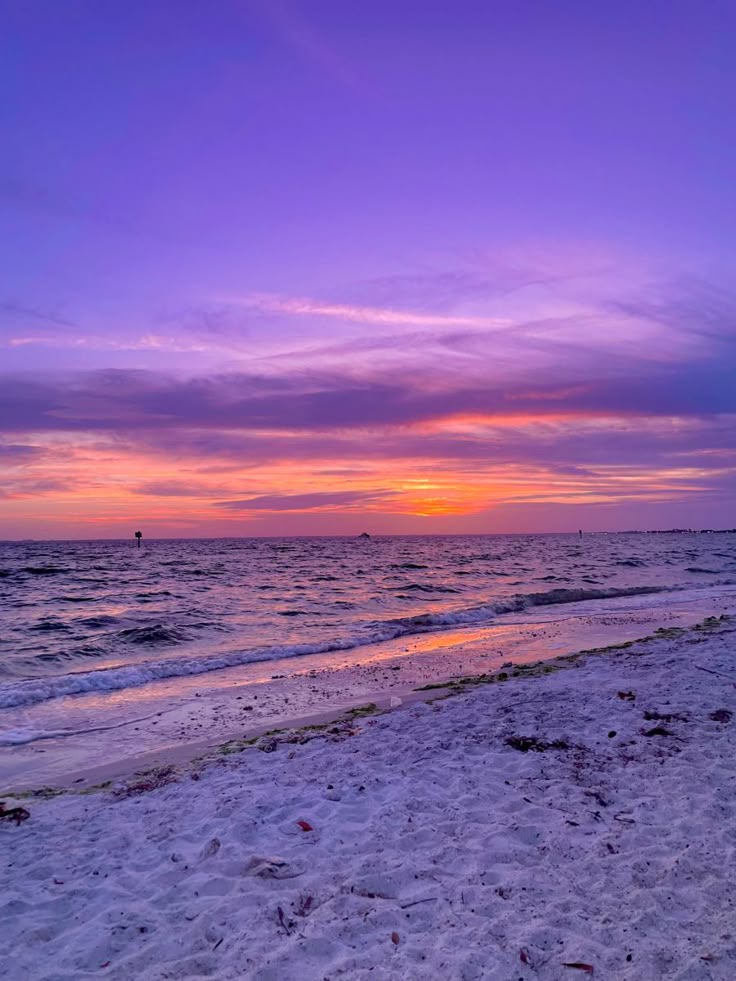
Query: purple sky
300	266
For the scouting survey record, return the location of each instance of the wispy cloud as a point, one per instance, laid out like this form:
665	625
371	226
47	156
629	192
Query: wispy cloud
92	342
178	488
319	500
18	454
18	311
385	316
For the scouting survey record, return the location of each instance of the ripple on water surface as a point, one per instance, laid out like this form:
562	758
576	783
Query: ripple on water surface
190	606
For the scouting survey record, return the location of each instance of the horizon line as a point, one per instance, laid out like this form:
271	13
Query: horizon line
474	534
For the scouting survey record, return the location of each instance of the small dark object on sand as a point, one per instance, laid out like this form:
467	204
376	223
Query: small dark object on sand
652	716
658	731
16	814
526	743
303	906
627	696
721	715
285	924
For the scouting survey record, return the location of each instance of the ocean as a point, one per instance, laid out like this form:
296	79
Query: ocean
104	616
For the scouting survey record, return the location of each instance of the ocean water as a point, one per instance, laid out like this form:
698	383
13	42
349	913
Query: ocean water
106	616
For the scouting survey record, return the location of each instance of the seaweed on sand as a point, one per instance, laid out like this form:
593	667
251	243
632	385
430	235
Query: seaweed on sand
526	744
17	814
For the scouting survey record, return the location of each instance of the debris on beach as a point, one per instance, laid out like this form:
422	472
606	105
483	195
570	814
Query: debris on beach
17	814
285	924
665	717
211	848
151	780
272	868
526	744
721	715
304	905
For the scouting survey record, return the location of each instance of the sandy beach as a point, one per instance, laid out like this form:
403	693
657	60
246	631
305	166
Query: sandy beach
567	819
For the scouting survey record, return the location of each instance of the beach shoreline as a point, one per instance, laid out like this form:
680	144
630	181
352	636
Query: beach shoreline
160	728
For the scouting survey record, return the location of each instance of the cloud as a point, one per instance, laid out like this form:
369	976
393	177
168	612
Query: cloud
488	275
439	291
619	405
15	454
384	316
318	500
97	342
127	400
690	305
173	488
18	311
21	488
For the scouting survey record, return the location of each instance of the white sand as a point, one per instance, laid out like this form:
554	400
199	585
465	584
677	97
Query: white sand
437	850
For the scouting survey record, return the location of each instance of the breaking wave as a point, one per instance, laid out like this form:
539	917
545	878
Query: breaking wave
32	691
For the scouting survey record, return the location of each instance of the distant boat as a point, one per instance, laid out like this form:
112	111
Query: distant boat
364	534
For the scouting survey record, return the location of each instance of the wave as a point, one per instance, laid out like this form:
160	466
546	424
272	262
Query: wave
425	587
49	625
155	633
34	690
99	621
132	676
515	604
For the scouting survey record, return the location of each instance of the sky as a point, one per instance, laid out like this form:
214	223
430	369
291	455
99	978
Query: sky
409	266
